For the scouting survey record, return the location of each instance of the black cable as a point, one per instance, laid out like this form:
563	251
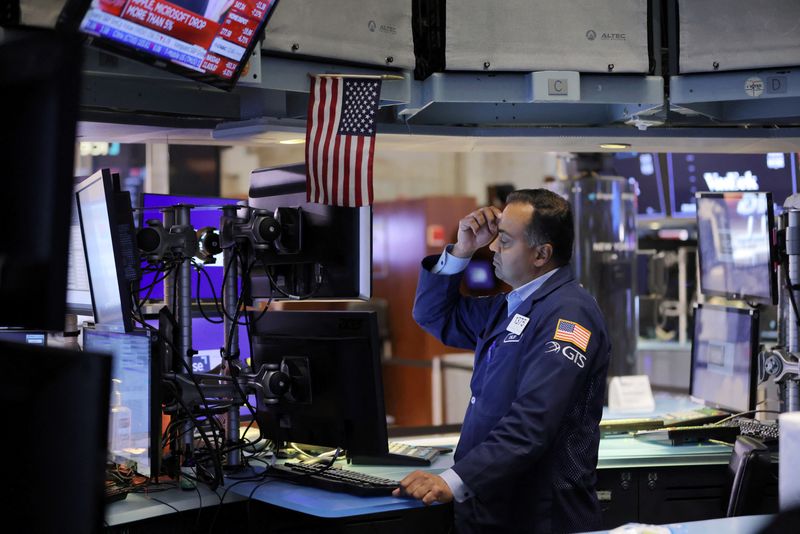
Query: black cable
275	286
218	476
200	269
225	493
250	497
788	281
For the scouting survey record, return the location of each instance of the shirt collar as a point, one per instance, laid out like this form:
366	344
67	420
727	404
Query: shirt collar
518	296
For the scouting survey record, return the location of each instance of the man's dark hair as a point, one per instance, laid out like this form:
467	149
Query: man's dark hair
551	221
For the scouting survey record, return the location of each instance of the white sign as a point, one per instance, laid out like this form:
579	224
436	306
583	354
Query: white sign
754	86
630	394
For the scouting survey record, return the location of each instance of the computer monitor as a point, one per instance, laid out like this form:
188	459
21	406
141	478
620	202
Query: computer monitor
724	352
645	169
30	337
775	172
479	275
110	264
79	290
336	243
336	393
206	212
135	414
206	40
55	412
40	73
735	246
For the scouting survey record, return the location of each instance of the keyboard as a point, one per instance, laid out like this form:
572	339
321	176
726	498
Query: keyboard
334	479
766	432
400	454
680	435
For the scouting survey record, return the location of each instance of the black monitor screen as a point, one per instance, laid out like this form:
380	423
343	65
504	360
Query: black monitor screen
134	426
206	212
104	251
734	241
724	350
335	256
56	402
40	74
208	40
775	172
336	394
30	337
645	168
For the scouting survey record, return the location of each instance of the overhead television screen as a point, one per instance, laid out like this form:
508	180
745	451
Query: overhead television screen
208	40
775	172
644	167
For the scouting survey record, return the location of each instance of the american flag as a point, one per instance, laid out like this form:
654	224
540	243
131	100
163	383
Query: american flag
340	140
572	332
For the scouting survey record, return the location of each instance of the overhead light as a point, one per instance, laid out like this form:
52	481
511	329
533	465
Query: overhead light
615	146
292	141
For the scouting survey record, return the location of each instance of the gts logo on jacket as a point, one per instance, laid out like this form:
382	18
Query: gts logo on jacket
569	352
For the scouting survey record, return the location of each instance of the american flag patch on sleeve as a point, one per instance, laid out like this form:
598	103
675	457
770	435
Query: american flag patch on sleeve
572	332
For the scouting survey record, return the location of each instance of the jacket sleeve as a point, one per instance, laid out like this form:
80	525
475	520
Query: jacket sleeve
547	381
443	312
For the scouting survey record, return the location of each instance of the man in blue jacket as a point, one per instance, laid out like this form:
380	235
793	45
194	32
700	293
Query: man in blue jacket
527	455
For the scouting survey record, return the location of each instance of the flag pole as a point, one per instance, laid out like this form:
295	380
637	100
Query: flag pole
361	76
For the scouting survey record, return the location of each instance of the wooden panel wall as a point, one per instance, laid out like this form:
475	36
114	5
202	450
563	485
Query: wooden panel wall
400	235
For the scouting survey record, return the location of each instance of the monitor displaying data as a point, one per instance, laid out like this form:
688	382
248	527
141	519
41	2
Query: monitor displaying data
208	40
103	247
645	169
79	291
775	172
134	425
734	243
724	350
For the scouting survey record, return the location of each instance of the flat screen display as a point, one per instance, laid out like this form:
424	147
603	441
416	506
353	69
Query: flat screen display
103	251
206	212
79	292
775	172
723	354
479	274
335	256
208	40
645	168
132	420
734	242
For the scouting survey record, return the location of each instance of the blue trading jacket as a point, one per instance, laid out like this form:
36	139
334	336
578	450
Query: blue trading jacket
528	446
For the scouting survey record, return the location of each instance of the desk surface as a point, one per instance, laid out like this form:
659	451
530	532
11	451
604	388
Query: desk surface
329	504
750	524
615	452
142	506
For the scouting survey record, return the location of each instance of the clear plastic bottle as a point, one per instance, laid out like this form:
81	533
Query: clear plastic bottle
119	428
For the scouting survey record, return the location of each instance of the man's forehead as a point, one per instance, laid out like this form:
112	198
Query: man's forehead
515	217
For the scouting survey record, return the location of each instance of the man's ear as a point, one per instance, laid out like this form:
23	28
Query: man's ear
543	255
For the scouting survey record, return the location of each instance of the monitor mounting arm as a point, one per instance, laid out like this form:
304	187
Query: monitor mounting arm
195	392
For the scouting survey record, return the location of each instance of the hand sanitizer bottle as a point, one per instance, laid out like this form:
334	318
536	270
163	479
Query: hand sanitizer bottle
119	428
